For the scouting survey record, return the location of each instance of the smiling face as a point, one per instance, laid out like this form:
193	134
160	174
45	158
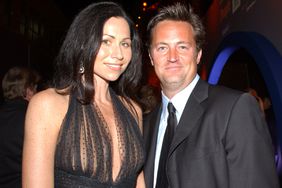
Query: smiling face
174	56
115	52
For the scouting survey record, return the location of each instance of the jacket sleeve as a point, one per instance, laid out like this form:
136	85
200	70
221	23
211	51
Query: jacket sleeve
249	148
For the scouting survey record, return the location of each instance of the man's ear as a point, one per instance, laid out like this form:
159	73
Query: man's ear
199	55
152	62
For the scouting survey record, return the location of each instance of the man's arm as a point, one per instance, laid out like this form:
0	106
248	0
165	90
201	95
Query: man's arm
249	148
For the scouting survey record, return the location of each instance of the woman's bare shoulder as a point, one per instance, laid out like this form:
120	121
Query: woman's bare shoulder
133	104
48	98
136	106
49	104
134	109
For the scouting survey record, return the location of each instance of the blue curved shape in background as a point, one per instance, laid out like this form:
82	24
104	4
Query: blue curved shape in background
220	63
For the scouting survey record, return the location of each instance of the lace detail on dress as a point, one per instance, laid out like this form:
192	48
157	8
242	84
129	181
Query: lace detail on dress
84	146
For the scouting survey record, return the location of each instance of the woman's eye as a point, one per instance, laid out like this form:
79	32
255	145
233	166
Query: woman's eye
106	42
126	44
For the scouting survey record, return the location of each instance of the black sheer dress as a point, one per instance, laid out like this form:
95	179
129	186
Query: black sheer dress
83	155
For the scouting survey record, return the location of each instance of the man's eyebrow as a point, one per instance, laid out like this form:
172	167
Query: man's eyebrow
179	42
163	43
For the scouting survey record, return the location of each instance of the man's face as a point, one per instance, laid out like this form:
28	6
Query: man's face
174	56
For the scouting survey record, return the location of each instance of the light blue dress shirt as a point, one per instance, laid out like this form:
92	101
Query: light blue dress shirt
179	101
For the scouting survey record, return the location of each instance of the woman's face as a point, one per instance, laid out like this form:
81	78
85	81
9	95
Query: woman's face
115	52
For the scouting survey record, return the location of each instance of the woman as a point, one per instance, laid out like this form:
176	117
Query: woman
84	132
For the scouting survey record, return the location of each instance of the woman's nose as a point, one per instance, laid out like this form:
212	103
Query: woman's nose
117	52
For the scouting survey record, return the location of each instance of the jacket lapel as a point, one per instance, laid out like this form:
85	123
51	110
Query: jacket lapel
191	114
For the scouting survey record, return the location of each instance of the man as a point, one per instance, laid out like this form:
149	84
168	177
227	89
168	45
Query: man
221	139
19	85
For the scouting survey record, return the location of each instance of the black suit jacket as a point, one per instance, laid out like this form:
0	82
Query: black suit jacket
221	141
12	117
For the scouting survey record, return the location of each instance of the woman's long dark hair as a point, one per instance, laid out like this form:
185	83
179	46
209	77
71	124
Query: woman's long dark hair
81	46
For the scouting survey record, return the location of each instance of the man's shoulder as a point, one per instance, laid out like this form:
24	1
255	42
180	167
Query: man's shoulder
219	90
217	96
204	91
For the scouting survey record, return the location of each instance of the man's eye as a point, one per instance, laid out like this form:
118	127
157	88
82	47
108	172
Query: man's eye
161	48
183	47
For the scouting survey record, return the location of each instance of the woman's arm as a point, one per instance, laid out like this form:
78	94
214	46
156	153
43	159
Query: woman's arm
140	181
43	119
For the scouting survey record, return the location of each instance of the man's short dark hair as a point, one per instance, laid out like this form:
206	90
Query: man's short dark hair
179	12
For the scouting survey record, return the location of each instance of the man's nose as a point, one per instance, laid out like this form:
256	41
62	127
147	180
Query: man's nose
172	55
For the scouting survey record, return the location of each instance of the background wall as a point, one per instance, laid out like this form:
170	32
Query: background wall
227	16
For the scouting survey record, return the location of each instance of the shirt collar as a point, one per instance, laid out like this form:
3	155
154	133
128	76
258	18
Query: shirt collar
180	99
